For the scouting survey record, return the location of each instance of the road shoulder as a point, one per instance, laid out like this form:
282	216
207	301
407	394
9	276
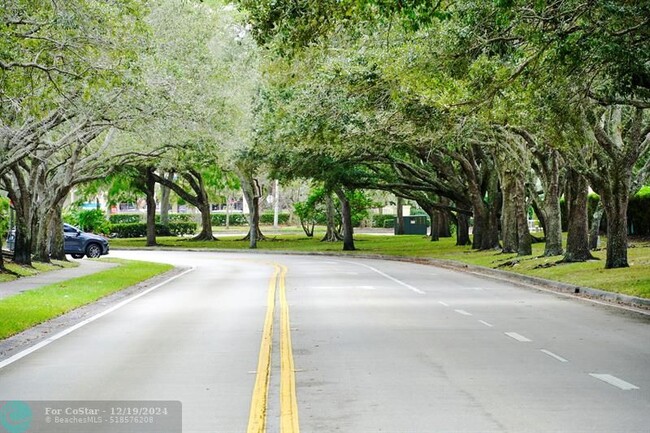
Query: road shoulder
35	335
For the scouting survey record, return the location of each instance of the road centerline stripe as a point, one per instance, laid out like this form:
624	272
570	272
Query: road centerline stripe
489	325
257	416
288	401
257	421
614	381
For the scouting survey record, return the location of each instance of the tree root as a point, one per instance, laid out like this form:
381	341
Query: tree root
203	237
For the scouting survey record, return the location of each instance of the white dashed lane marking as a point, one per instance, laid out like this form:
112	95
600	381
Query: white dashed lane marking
518	337
614	381
553	355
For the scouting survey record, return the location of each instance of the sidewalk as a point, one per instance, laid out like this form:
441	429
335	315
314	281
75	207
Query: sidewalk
23	284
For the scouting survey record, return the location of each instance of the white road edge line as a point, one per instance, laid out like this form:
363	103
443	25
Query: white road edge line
463	312
553	355
71	329
614	381
408	286
518	337
486	323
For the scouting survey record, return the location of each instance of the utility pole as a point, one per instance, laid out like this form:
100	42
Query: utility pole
276	204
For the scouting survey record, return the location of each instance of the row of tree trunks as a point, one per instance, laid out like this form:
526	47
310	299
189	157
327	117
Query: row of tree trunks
577	248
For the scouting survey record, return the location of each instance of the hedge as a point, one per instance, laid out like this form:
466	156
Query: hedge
638	213
124	218
130	218
267	218
385	221
179	218
236	219
138	230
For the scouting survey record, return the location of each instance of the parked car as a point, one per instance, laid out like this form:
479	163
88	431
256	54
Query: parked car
75	242
78	243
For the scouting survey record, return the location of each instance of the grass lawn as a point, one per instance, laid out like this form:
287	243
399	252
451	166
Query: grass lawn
20	312
634	280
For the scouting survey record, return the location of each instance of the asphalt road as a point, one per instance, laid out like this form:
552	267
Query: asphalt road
370	346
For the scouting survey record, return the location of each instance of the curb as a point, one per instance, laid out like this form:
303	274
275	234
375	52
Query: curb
617	300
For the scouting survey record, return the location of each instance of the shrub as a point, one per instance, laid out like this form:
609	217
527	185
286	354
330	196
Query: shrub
89	220
638	213
178	218
129	230
180	228
267	218
236	219
125	218
383	221
139	230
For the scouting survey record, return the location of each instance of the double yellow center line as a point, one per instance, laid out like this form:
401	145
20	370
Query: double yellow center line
288	403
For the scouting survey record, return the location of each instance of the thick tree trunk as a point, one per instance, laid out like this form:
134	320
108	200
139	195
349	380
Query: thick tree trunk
206	218
486	223
577	246
616	211
332	234
346	216
509	223
462	230
524	240
514	218
23	242
42	244
254	232
252	196
444	220
150	193
399	222
434	233
553	227
594	231
165	195
57	250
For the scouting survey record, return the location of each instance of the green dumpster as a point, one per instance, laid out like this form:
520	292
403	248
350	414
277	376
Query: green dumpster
415	225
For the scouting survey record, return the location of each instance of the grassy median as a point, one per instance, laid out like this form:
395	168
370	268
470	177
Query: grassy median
20	312
634	280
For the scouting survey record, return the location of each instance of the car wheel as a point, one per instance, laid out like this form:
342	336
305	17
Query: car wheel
93	251
77	256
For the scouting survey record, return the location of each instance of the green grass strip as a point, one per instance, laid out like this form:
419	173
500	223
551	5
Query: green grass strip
20	312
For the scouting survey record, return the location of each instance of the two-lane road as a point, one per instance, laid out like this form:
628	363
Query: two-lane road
376	347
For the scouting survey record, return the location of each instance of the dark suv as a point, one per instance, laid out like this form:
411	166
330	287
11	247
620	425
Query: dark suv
75	242
78	243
